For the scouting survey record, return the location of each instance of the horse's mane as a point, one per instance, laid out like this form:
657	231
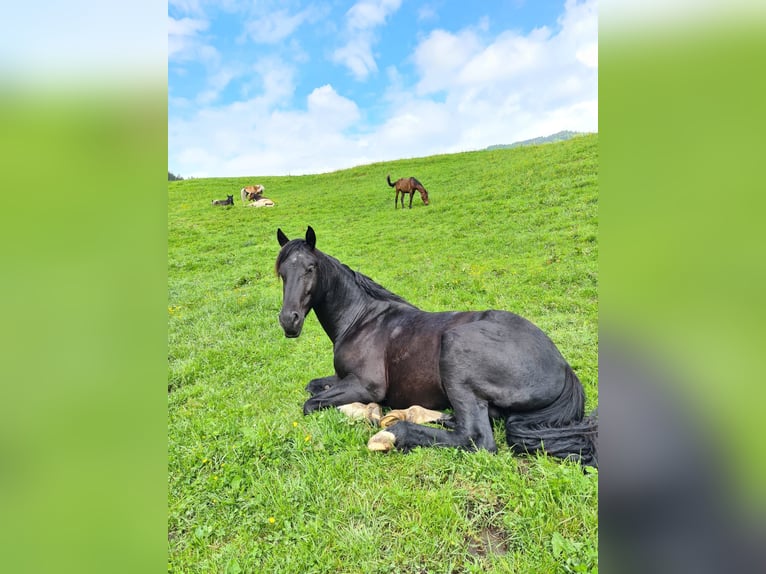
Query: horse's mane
366	284
373	289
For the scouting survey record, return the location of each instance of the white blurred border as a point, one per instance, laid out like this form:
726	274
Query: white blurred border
643	16
65	43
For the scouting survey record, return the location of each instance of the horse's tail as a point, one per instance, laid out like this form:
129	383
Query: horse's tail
558	429
388	179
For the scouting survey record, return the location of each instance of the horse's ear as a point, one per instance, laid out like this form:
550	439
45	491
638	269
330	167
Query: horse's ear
281	237
311	237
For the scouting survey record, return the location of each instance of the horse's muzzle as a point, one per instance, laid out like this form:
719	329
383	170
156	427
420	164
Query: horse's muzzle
292	323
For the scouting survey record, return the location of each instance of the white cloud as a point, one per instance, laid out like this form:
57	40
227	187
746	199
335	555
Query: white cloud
274	27
216	83
257	136
369	14
441	56
426	13
357	57
187	6
361	21
183	37
513	87
325	102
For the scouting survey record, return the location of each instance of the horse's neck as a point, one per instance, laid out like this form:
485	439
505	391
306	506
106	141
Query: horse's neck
343	303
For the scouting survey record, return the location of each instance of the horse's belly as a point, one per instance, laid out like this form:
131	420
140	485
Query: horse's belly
412	360
415	383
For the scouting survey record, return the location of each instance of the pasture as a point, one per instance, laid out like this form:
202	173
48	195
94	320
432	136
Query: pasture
254	486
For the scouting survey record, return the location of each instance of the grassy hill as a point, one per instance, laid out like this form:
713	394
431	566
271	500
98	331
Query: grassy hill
256	487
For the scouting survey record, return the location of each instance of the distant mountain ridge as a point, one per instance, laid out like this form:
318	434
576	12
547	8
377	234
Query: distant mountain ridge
557	137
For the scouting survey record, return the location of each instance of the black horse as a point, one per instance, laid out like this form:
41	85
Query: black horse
482	364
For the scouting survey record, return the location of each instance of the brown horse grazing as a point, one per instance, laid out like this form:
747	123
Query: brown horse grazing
251	192
407	185
228	201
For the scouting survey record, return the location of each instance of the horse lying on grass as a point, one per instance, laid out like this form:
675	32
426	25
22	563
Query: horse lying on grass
261	202
483	364
228	201
407	185
251	192
254	194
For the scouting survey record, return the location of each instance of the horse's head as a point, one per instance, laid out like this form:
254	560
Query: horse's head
297	267
421	188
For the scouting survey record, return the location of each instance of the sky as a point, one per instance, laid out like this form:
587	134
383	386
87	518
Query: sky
294	87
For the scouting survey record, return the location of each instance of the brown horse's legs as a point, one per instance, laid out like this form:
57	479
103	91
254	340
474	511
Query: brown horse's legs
412	194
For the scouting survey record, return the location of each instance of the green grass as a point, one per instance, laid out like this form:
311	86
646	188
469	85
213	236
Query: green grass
256	487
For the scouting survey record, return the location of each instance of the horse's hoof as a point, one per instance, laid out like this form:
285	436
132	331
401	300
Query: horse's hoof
358	411
382	441
372	413
353	410
415	414
392	418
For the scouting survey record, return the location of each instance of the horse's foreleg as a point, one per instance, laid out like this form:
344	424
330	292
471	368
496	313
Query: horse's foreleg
412	194
350	389
322	384
472	430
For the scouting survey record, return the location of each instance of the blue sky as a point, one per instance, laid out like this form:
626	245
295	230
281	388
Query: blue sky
296	87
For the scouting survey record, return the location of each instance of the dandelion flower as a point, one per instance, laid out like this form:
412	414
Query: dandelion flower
295	424
272	520
308	438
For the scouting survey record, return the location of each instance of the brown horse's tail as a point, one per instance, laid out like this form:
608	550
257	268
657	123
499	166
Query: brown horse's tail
558	429
388	179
